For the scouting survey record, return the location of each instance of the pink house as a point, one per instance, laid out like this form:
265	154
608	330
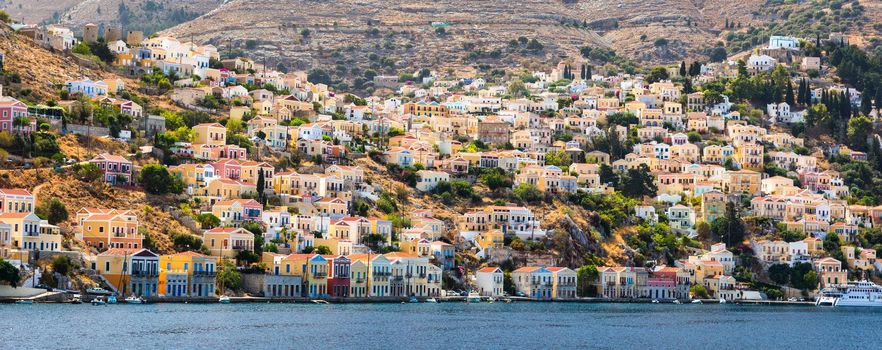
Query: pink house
228	169
10	109
116	169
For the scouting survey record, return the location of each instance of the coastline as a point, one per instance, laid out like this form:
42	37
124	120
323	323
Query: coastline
405	300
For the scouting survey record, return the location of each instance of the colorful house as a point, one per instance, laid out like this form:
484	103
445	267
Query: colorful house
130	271
187	274
227	242
116	169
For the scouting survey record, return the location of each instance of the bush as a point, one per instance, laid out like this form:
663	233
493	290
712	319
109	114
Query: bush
53	210
699	291
9	273
527	193
156	179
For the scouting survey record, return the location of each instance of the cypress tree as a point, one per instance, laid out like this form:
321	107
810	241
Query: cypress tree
683	68
788	94
866	103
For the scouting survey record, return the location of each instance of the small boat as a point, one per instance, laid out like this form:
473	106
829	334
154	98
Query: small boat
506	300
722	301
98	291
98	302
320	302
76	300
431	300
655	301
473	298
677	301
413	300
134	300
24	302
491	300
224	299
696	301
111	299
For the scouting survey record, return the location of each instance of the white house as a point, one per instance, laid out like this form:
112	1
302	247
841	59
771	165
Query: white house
489	280
760	63
783	42
87	87
428	179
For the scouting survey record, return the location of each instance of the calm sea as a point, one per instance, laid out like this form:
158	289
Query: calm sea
436	326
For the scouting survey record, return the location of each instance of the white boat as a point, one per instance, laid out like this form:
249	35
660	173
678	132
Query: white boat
224	299
320	301
431	300
828	297
473	297
677	301
98	302
696	301
491	300
655	301
134	300
860	294
722	301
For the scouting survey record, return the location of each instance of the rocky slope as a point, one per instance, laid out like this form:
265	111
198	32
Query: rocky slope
146	15
350	30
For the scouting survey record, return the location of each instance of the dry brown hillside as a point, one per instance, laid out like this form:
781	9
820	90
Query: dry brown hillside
41	70
402	30
75	194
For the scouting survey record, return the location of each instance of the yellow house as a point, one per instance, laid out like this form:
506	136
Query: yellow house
187	274
313	268
227	242
358	279
250	173
130	271
210	134
16	200
379	272
109	228
228	189
27	231
193	175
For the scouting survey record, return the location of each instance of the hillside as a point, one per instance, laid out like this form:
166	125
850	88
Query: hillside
40	70
145	15
352	30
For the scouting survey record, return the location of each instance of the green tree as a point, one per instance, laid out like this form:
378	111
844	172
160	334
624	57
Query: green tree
9	273
156	179
184	242
261	184
585	275
207	220
698	291
729	228
657	74
779	273
638	183
63	265
508	284
227	276
558	158
527	193
517	89
323	250
53	210
87	172
859	129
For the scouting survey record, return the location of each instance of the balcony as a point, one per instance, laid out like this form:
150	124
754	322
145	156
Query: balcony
145	274
397	278
359	280
205	273
422	275
320	275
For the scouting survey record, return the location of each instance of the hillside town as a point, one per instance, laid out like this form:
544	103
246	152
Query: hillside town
754	178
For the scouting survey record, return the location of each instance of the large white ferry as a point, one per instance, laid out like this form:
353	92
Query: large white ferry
859	294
